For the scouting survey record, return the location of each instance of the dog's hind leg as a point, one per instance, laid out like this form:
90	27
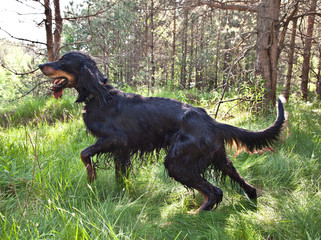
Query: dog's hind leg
213	195
231	171
222	163
181	172
122	164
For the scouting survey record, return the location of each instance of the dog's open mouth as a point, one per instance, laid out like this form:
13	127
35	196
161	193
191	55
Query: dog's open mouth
58	84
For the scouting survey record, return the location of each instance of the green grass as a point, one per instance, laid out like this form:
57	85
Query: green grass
45	193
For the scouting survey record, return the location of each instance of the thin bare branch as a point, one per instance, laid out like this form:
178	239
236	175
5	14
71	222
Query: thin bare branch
22	39
224	5
308	14
239	44
17	73
228	76
96	14
27	93
285	27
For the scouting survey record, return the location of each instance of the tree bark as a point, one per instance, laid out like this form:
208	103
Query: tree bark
291	57
146	46
152	61
227	56
53	39
48	27
267	46
173	43
200	57
184	48
218	49
318	83
307	50
224	6
58	30
191	54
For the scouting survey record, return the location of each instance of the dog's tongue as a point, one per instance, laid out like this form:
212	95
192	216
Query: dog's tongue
57	94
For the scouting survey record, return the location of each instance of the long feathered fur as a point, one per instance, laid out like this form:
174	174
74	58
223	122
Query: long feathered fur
250	140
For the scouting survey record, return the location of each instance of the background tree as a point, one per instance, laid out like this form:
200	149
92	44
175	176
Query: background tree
192	44
291	58
307	50
53	31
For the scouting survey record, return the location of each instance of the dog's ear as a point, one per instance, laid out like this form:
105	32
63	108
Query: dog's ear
90	83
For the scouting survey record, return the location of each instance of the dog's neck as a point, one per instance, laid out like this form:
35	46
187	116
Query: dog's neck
89	98
108	95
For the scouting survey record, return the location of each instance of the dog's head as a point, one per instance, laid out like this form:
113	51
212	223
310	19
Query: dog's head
74	70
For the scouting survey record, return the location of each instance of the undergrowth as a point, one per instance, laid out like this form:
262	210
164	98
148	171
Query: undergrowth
45	194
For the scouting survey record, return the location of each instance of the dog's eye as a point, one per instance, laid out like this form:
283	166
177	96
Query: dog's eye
64	62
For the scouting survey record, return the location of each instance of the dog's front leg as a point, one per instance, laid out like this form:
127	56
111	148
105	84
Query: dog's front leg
86	156
102	145
86	159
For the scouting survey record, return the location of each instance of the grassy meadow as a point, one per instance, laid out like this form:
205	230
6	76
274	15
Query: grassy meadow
45	193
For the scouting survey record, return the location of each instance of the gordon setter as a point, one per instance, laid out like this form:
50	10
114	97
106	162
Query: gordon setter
127	123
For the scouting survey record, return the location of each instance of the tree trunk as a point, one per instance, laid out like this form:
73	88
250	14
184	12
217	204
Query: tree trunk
184	49
267	46
173	44
291	57
307	50
152	44
191	65
218	49
48	27
146	47
53	38
227	57
200	58
58	30
318	83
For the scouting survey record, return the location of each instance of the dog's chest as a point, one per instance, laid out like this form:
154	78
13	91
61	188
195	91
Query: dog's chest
99	118
92	115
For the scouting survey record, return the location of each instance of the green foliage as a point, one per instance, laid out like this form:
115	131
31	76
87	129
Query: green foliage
45	194
17	61
253	90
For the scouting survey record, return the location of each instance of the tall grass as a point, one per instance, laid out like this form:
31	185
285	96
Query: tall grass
45	193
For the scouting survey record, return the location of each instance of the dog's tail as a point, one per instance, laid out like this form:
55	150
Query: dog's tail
251	140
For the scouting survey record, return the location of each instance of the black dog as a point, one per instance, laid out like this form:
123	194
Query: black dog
127	123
